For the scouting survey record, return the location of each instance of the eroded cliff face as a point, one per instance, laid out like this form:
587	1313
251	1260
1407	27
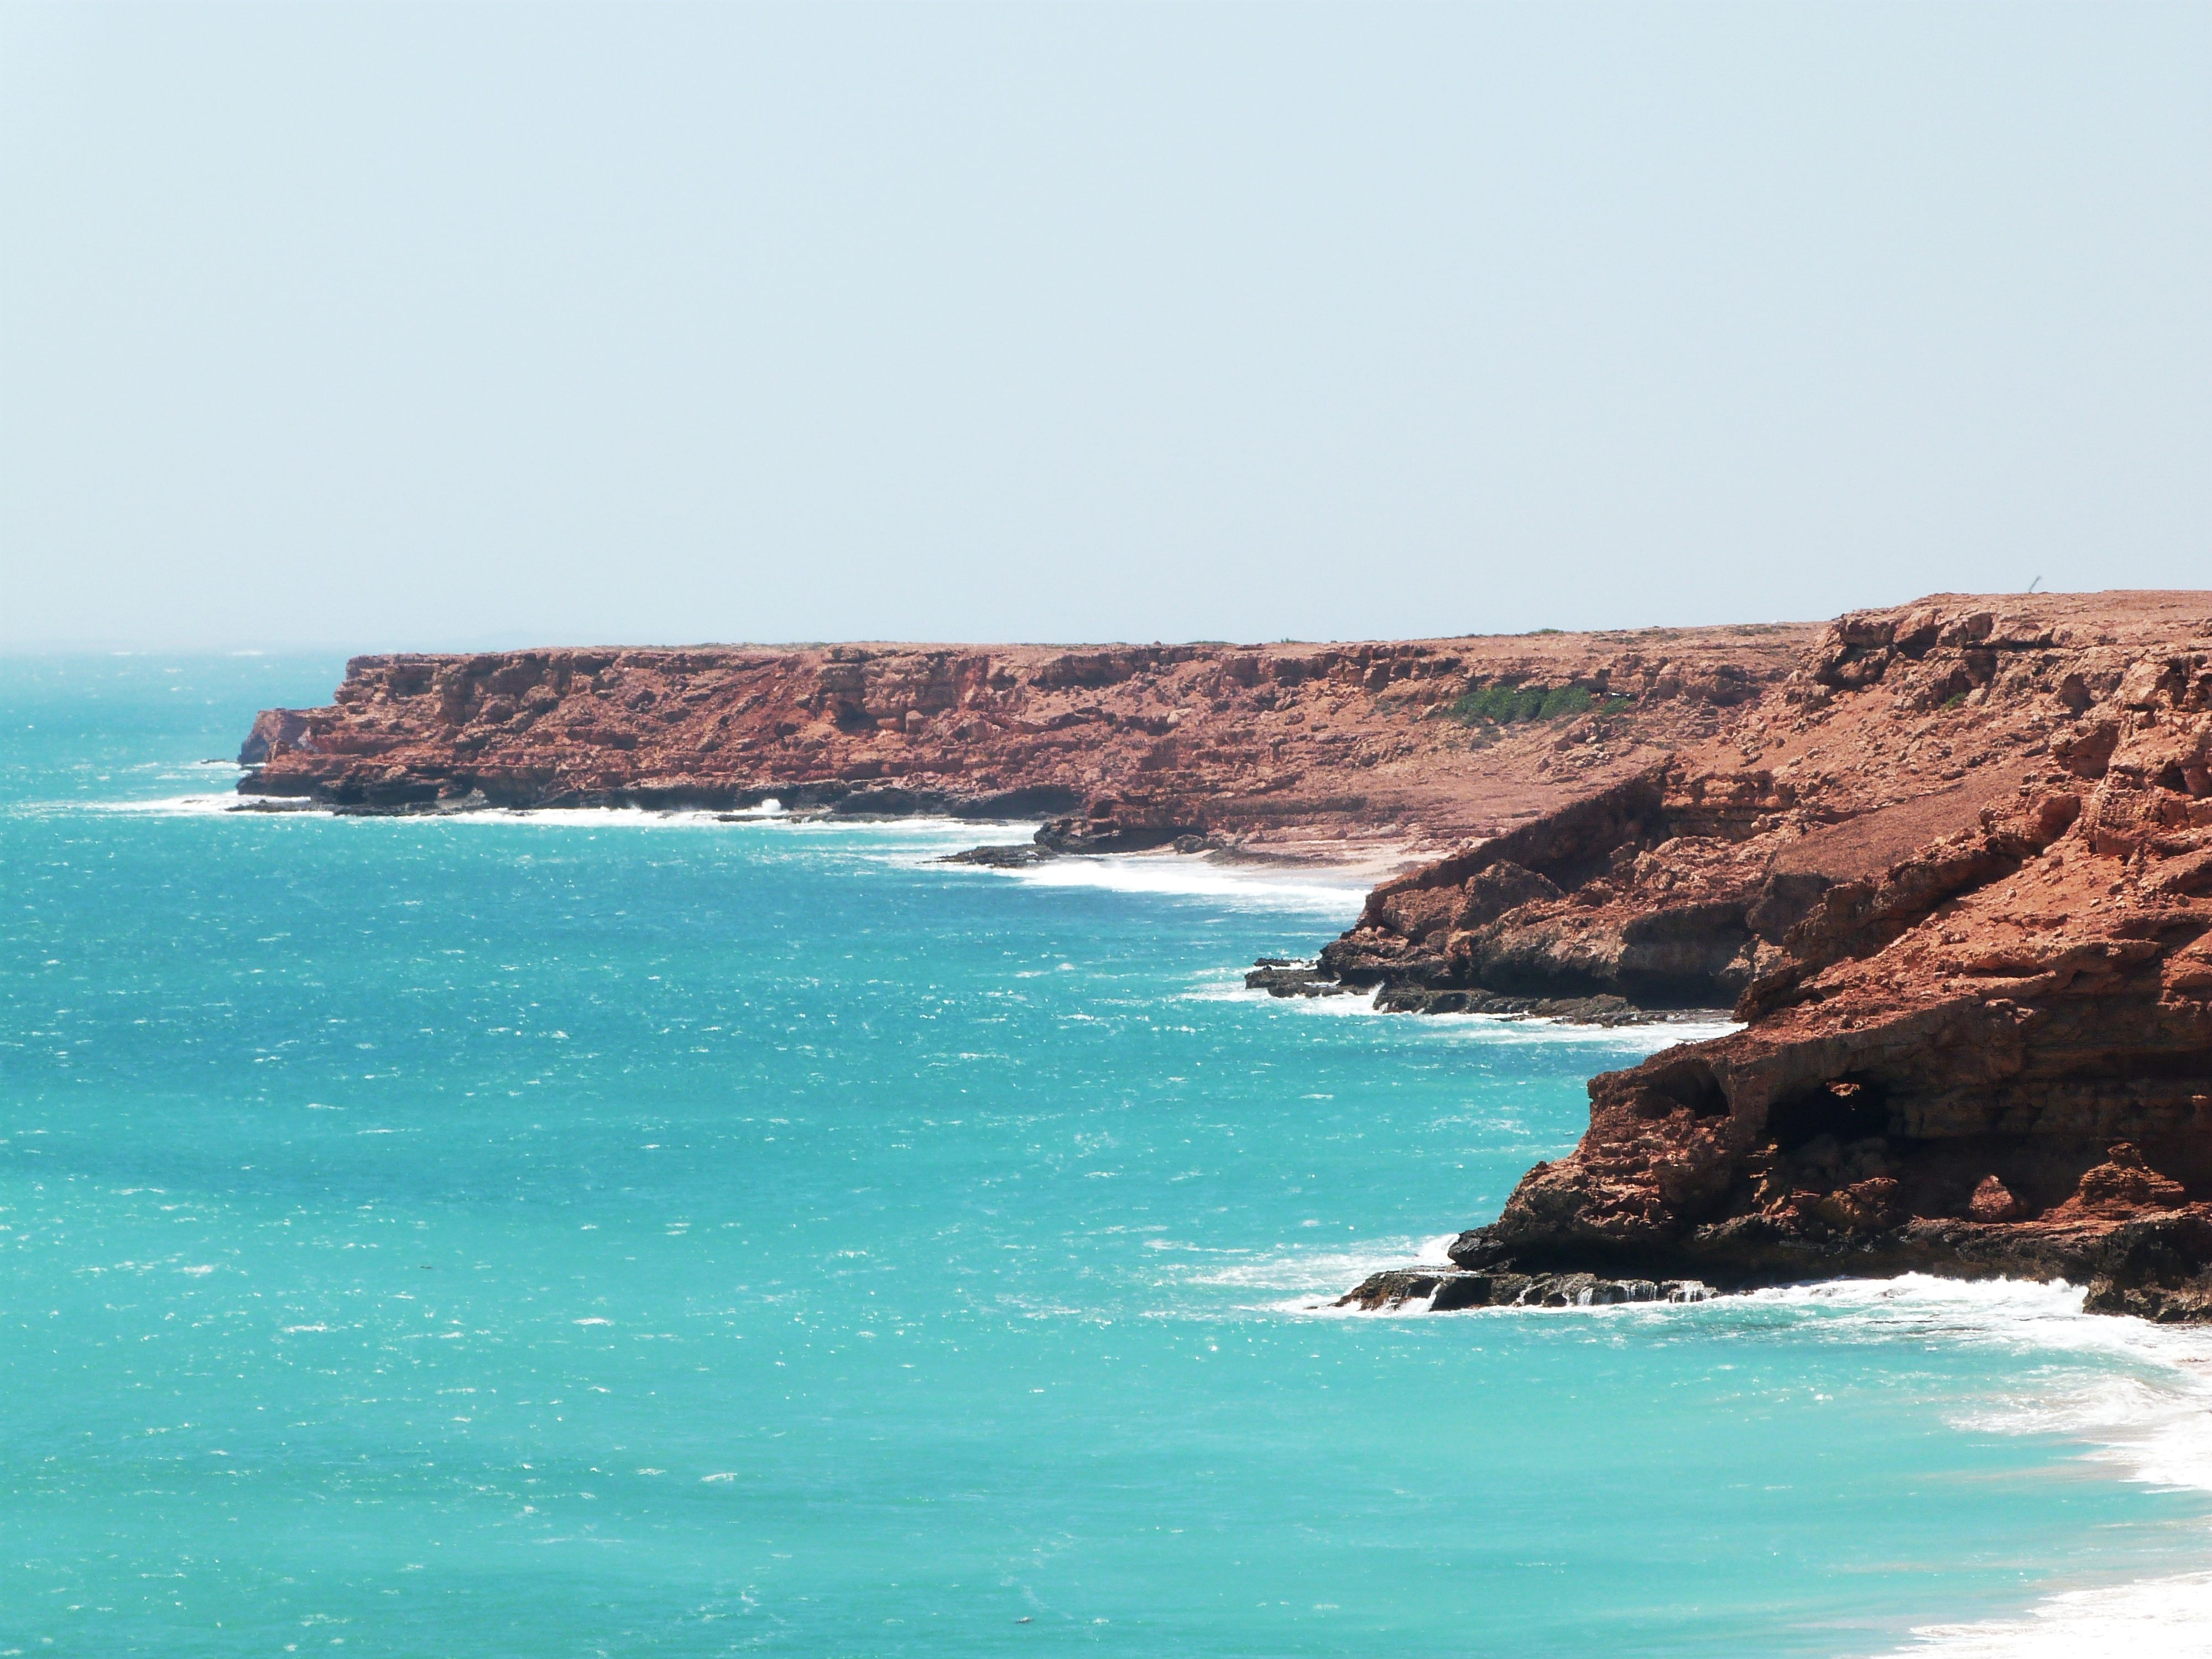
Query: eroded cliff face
1678	886
1136	745
1956	874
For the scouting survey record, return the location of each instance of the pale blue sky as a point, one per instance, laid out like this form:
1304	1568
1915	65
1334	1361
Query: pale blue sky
388	325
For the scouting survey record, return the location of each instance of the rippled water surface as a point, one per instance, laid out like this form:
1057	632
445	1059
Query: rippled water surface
596	1234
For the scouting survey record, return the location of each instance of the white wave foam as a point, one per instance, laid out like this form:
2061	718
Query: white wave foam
1314	1272
194	805
2155	1619
1307	1282
2138	1397
1513	1029
918	839
582	818
2026	1316
552	817
913	825
1176	876
1337	894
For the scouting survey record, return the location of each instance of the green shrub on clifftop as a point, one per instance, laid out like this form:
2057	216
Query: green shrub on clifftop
1506	704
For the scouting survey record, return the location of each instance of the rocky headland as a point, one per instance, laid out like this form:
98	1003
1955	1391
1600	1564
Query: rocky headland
1950	864
1277	750
1955	875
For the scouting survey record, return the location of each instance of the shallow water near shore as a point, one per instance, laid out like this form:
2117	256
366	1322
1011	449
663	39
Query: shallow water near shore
590	1233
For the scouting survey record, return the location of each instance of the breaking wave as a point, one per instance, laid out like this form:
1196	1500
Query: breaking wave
2139	1396
2156	1618
1227	985
1332	894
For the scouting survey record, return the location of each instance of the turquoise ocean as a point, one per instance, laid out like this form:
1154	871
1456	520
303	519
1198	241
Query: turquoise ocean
578	1234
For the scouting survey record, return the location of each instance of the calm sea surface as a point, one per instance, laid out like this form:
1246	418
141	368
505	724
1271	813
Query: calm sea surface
603	1234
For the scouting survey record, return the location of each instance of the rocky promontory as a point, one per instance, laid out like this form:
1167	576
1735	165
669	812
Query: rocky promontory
1954	873
1276	748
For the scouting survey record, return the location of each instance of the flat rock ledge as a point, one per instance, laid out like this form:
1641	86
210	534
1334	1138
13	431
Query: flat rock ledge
1014	855
1279	976
1449	1292
1060	838
2127	1238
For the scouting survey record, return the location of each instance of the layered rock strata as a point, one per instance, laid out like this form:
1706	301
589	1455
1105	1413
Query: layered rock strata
1955	876
1125	747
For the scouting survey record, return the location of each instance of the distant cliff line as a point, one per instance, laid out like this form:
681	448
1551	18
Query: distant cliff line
1275	746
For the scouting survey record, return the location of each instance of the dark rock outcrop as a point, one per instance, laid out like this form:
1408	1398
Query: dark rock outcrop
1019	855
1287	979
1449	1292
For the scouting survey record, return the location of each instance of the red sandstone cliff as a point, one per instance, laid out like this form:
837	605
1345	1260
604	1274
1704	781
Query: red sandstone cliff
1956	872
1266	744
